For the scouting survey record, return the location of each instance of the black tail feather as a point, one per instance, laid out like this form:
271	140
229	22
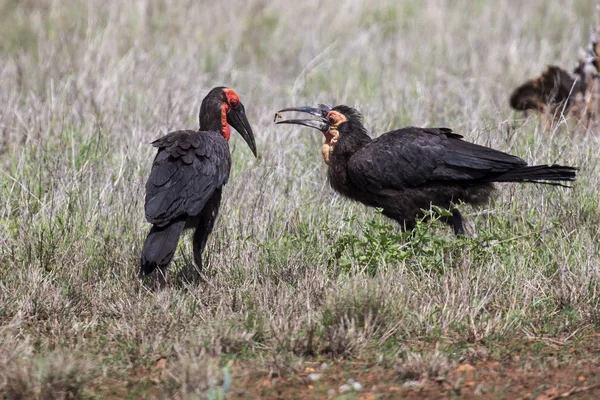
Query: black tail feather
160	246
545	174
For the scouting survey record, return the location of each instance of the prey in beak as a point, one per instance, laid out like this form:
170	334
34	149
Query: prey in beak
320	111
326	122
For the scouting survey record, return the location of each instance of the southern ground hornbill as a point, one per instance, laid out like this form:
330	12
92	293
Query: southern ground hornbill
407	170
187	176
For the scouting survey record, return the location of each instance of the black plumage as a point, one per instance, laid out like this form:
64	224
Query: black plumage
189	171
554	90
405	171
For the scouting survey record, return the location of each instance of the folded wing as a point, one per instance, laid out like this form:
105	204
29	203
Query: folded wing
187	170
413	157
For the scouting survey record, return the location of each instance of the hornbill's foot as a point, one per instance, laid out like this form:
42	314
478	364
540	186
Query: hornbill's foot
457	223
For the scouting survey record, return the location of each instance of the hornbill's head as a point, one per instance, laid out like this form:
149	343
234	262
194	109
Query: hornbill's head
333	122
222	107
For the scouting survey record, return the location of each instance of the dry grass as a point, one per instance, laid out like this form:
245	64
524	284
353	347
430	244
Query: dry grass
86	85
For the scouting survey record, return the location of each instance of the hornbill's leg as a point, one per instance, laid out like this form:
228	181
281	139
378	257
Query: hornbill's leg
206	221
457	222
406	224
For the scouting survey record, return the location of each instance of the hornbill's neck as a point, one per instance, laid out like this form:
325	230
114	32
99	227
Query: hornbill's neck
213	117
349	137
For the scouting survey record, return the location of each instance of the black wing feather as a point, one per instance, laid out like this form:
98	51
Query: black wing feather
187	170
412	157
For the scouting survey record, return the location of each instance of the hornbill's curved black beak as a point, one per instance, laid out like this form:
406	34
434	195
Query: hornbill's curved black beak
320	111
236	117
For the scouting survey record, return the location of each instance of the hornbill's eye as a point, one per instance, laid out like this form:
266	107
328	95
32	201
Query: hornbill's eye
331	119
233	103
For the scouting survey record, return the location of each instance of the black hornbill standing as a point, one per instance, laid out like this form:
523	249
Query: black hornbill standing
187	176
407	170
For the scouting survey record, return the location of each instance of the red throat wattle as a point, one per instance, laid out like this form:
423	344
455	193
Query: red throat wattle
225	130
232	99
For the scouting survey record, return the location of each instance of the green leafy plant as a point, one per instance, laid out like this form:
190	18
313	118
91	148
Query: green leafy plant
380	243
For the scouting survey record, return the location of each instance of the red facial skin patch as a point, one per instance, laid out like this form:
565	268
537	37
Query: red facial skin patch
232	98
232	101
225	130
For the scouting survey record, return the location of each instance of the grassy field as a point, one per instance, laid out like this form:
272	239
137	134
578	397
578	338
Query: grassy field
299	281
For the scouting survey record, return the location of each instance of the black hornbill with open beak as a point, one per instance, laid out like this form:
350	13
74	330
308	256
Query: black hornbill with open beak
405	171
187	176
